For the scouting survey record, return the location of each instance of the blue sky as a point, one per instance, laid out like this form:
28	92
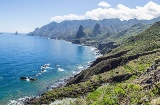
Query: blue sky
25	15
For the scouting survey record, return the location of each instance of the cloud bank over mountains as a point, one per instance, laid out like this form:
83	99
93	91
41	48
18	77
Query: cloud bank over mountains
106	11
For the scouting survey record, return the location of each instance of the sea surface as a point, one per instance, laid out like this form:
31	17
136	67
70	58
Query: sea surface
22	55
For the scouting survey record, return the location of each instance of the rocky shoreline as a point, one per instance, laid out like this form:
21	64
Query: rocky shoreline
59	83
99	47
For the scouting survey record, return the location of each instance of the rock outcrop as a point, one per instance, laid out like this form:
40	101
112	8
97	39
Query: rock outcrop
106	47
151	76
80	33
96	30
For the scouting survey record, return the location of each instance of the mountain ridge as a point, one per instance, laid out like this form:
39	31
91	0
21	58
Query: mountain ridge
67	28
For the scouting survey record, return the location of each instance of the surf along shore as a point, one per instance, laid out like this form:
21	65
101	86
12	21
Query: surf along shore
62	83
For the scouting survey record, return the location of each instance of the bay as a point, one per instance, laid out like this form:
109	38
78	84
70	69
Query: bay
22	55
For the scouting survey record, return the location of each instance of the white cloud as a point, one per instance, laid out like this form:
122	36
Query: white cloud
104	4
67	17
148	11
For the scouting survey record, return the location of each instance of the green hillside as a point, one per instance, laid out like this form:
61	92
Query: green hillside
131	31
129	74
148	40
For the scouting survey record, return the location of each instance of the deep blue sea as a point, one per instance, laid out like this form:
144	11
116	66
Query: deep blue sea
22	55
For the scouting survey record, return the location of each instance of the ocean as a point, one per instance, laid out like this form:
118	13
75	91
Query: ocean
23	56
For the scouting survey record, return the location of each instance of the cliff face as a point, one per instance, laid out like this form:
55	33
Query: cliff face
107	47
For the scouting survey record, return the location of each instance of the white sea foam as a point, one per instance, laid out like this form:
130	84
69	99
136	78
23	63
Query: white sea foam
78	71
60	69
39	73
93	48
57	65
80	67
89	62
27	79
58	83
74	72
48	67
20	101
11	101
98	56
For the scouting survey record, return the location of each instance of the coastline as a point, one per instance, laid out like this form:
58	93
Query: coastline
66	79
61	82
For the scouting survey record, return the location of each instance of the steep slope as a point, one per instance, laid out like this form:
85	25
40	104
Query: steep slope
148	40
127	75
80	33
131	31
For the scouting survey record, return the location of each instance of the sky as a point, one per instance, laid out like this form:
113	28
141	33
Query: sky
26	15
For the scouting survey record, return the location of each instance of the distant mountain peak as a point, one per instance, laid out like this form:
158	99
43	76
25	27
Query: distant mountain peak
80	33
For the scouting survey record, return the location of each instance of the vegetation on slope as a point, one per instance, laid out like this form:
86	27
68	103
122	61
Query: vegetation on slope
129	74
114	76
131	31
148	40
